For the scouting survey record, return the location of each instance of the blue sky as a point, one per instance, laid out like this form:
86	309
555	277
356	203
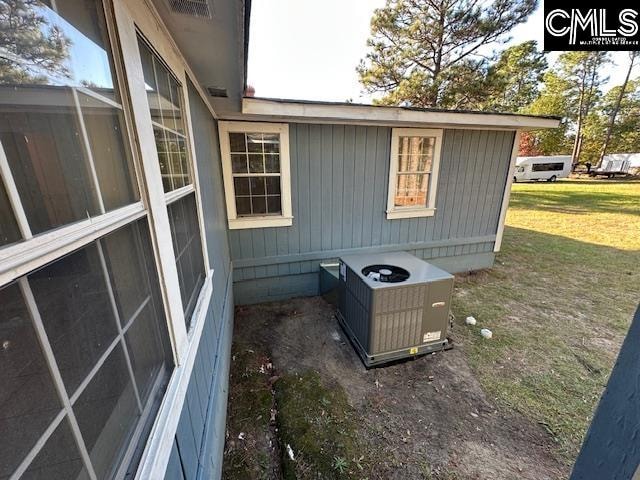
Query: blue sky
304	49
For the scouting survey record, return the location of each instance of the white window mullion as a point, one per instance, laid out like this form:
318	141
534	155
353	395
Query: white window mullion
159	218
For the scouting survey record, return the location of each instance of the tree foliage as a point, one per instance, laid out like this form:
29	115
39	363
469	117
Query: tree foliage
513	81
430	52
31	50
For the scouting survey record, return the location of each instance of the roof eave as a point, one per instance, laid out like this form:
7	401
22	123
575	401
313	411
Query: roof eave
262	109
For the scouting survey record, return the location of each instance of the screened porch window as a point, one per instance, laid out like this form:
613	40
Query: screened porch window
413	174
256	168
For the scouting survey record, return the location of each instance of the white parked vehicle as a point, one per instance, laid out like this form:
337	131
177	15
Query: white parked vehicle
549	168
616	164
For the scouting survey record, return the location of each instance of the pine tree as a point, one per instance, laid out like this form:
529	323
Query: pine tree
430	52
31	50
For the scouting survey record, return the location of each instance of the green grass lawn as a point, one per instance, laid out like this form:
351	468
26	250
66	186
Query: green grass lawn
559	302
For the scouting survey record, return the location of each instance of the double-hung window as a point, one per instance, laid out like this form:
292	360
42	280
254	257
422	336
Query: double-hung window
88	339
255	161
413	172
167	116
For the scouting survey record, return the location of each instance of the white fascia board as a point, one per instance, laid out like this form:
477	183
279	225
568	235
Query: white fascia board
368	114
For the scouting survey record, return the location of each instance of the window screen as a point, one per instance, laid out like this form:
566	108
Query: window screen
89	327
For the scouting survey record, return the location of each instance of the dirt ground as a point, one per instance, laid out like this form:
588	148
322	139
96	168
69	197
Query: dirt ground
423	418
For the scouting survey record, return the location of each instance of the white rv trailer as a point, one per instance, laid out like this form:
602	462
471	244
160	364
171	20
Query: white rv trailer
548	168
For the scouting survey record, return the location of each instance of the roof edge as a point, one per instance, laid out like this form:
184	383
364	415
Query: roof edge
298	110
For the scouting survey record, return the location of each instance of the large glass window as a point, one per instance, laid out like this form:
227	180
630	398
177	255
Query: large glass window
413	173
90	328
84	344
165	104
167	116
64	147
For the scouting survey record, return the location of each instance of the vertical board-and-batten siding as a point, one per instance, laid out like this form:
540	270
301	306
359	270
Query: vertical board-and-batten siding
340	175
199	441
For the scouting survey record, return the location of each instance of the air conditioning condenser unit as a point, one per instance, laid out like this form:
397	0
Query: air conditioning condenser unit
393	305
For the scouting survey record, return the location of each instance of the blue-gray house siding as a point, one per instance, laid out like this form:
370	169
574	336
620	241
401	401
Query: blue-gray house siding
611	448
199	440
339	182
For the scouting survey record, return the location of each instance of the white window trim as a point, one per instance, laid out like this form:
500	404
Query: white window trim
507	191
141	18
133	17
235	222
394	212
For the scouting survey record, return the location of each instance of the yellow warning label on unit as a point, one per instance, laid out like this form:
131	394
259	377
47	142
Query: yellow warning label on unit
413	350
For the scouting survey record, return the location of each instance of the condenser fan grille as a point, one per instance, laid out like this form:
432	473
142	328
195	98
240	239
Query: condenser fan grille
386	273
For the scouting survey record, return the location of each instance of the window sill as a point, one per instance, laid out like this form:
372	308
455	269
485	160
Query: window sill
410	213
259	222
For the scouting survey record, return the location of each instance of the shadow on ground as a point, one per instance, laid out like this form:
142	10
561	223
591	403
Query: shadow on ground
424	418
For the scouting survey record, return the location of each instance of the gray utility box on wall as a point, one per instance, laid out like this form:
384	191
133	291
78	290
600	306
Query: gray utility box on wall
393	305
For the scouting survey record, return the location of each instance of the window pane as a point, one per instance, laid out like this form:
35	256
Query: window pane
185	232
259	205
237	142
164	157
241	185
50	62
411	190
239	163
59	459
48	162
9	232
176	163
257	186
27	394
243	206
112	160
73	300
256	163
272	163
273	185
148	349
165	105
254	142
271	143
107	413
273	204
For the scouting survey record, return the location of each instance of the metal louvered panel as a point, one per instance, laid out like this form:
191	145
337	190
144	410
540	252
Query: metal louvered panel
397	317
195	8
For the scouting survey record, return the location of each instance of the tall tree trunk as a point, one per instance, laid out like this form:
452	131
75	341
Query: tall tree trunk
575	154
616	109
